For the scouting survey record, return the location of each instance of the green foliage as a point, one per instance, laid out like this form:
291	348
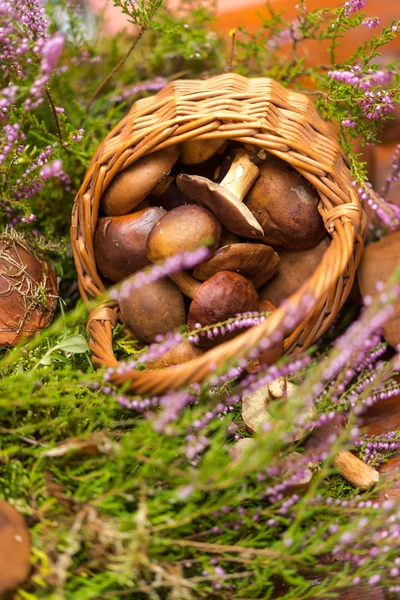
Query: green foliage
117	508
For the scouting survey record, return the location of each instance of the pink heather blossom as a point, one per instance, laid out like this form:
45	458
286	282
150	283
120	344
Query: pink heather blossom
371	22
50	49
349	123
353	6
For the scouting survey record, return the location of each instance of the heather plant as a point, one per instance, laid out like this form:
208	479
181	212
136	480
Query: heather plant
131	496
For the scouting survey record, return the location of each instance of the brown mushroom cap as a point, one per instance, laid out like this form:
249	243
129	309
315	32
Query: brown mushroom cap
120	243
183	229
378	263
257	262
156	308
225	199
285	205
181	353
219	298
295	267
130	186
194	152
28	292
15	549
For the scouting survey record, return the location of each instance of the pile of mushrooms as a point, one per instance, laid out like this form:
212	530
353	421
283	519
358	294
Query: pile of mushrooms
258	216
260	411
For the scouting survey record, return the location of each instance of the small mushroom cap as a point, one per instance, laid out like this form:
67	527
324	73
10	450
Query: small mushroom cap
183	229
257	262
290	463
378	263
120	243
254	409
156	308
219	298
278	388
15	549
194	152
181	353
230	211
241	446
131	185
258	411
285	205
295	267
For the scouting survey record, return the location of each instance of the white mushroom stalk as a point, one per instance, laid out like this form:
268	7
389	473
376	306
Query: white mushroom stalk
225	199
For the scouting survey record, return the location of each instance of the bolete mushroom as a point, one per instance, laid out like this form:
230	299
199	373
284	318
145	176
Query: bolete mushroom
225	199
181	353
167	196
257	262
285	205
28	290
156	308
378	263
181	230
219	298
194	152
240	447
120	243
291	463
15	549
258	411
349	466
131	185
295	267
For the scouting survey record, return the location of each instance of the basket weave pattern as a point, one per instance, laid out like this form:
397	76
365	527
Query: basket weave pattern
254	111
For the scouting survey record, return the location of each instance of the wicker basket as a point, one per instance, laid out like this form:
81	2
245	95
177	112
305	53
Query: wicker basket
253	111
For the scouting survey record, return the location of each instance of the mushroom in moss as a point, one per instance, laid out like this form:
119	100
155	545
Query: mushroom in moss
295	267
183	229
181	353
131	185
120	243
194	152
225	199
257	262
15	549
285	205
218	299
258	411
28	290
156	308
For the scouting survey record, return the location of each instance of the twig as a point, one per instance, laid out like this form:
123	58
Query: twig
223	548
53	108
116	68
229	66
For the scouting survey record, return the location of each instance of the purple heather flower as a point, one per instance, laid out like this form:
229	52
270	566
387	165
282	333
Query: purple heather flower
371	22
353	6
349	123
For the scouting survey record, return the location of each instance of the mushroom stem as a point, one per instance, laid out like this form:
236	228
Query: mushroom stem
355	470
186	283
241	175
